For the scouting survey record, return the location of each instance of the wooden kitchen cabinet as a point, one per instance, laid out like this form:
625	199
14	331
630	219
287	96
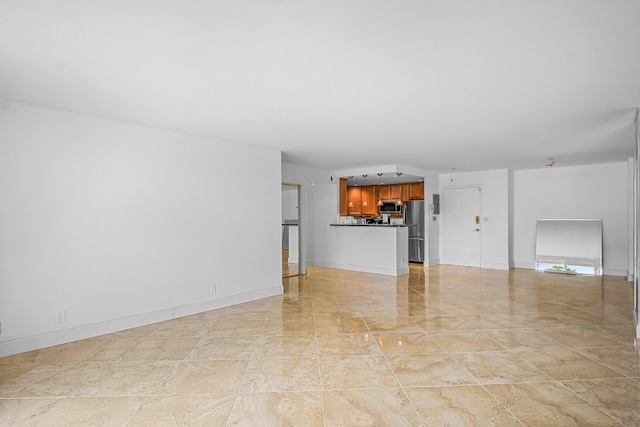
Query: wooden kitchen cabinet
385	191
364	200
354	207
416	191
406	192
391	191
396	191
369	200
343	197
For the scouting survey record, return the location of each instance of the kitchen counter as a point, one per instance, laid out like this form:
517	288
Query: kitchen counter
370	248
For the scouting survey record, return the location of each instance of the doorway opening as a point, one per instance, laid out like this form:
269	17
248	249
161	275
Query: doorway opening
290	230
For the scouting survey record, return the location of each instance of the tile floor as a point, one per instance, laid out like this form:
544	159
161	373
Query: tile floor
443	346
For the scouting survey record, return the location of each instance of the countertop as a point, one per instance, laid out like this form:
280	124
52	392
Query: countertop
371	225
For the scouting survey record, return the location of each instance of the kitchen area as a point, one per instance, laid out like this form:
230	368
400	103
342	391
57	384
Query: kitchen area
380	225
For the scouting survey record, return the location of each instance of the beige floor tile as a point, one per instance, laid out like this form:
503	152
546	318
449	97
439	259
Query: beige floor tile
356	372
620	398
548	404
205	377
46	380
407	343
348	344
214	348
370	407
538	319
186	327
335	310
561	364
185	410
118	378
11	372
455	341
485	321
291	312
268	375
236	328
579	337
99	349
428	370
286	346
624	359
160	349
585	318
499	367
24	412
622	334
461	406
92	411
437	323
340	325
523	339
277	409
295	326
390	324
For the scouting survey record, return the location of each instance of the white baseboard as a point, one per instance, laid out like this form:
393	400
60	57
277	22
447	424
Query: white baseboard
527	265
495	266
20	345
616	272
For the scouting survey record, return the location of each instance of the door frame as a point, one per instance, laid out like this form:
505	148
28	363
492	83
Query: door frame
301	260
444	218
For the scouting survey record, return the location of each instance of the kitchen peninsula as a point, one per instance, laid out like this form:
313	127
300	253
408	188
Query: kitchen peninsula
372	248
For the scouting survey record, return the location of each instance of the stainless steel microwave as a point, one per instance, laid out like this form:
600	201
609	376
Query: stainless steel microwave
390	207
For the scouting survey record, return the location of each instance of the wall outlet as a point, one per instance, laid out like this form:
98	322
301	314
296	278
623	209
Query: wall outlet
61	317
212	289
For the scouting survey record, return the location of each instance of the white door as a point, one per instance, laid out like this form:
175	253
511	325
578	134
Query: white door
461	221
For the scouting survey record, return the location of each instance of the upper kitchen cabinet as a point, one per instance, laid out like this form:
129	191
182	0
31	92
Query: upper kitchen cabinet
416	190
362	199
343	197
369	200
406	192
393	191
354	207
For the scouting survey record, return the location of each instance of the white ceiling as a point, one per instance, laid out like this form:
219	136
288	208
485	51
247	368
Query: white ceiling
432	84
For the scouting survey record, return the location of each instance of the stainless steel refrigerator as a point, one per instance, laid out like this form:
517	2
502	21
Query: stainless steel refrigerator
414	219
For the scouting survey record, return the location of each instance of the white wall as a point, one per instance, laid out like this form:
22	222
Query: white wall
592	191
120	225
495	213
432	227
